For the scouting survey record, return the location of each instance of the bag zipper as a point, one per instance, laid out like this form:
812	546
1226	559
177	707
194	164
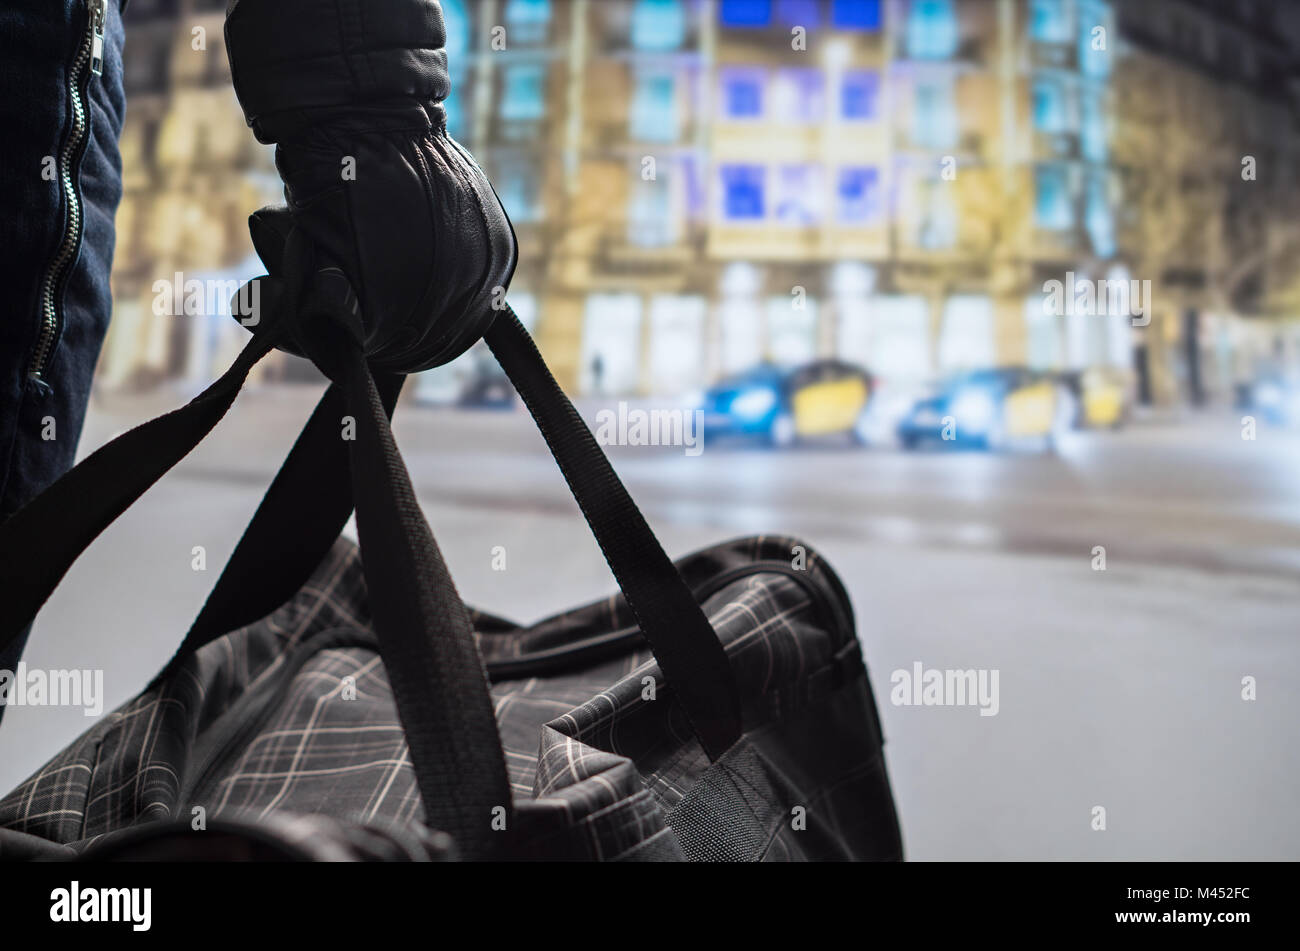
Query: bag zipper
605	646
89	61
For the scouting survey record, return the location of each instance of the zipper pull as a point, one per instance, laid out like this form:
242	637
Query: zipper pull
98	13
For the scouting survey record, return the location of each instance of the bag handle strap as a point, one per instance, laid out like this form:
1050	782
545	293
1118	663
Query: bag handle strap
425	636
39	542
298	520
687	648
309	502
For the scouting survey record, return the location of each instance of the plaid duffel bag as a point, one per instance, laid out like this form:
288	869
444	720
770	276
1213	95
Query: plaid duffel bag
340	702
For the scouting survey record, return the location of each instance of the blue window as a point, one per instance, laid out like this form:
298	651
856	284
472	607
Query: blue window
456	20
859	195
860	95
1050	111
518	187
528	20
742	93
799	194
658	25
1098	219
1049	21
654	108
931	29
742	192
523	97
1053	209
1094	38
934	115
799	13
856	14
798	95
455	115
1093	133
746	12
650	219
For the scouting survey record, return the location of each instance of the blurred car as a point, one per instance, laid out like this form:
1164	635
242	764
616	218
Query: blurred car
990	409
1276	399
779	406
1100	398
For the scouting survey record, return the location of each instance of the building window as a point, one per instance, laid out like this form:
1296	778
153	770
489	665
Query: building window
1096	33
742	93
799	13
743	192
931	29
1053	209
966	340
1043	333
746	12
658	25
651	223
456	21
859	195
1049	21
937	225
1094	135
901	341
1051	111
455	115
518	187
791	332
676	342
860	96
742	337
527	21
934	114
1097	216
523	98
654	108
799	194
855	14
611	345
798	95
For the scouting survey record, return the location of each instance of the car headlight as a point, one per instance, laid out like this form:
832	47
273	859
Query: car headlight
974	410
754	404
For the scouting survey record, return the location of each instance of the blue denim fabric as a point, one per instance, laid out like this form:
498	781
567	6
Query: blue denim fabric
39	42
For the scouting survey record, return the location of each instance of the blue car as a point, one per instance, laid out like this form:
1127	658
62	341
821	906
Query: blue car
825	398
990	409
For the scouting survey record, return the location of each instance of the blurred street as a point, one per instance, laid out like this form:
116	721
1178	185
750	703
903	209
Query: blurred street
1120	688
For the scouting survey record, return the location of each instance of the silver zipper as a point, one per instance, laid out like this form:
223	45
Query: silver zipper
92	53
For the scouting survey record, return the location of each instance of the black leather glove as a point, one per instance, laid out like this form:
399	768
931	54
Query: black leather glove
350	92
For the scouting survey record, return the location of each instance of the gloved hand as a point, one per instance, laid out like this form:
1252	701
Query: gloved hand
350	92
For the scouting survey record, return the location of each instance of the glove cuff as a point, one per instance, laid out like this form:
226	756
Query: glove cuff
290	59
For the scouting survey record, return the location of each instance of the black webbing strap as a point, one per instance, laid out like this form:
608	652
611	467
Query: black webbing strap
425	638
39	542
295	525
687	648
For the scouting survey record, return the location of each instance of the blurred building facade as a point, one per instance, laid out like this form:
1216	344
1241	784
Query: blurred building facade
192	172
699	185
1205	132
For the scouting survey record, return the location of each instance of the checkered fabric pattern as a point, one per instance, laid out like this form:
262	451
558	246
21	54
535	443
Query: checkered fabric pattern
294	717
